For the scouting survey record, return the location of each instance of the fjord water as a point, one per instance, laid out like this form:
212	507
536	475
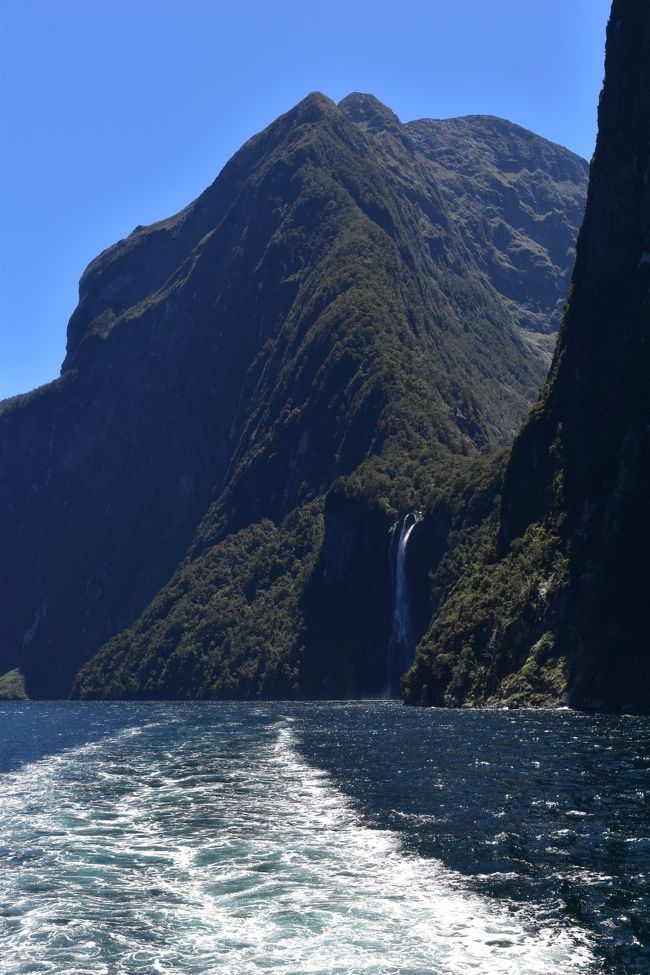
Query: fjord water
322	838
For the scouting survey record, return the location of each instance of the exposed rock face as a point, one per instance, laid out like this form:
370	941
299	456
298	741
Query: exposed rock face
563	612
521	202
325	308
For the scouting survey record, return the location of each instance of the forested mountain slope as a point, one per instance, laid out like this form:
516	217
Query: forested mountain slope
328	328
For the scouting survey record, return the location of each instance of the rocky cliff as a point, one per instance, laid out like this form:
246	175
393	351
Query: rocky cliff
556	609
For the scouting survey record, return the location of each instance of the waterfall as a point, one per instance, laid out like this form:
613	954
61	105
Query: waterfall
401	644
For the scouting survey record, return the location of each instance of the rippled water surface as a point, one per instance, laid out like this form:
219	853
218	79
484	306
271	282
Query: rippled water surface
287	838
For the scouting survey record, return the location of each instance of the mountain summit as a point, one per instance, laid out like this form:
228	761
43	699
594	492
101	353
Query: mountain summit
254	388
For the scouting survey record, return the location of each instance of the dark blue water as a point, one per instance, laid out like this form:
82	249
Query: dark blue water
240	838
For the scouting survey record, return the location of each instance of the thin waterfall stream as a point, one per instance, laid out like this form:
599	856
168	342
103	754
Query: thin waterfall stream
400	648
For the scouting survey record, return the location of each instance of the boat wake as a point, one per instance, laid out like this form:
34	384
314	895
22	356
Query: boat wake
187	850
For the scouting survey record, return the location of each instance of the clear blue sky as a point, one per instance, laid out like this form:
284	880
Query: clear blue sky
119	112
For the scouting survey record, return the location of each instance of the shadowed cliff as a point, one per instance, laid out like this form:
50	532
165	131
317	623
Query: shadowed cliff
556	610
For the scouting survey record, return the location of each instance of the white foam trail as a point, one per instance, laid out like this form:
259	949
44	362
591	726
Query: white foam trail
233	857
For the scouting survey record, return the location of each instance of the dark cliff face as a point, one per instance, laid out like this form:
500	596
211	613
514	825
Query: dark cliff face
597	385
319	312
591	439
574	532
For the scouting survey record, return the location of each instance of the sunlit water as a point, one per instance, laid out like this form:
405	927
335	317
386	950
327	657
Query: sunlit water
236	838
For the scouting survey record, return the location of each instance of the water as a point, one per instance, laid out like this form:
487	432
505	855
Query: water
400	649
401	615
288	838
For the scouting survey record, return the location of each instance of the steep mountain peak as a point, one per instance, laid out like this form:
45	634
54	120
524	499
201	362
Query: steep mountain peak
312	108
323	310
367	110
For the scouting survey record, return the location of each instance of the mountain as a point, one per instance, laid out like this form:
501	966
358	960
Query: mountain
253	390
518	204
555	610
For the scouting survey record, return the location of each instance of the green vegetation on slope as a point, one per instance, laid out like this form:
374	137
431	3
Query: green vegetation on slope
12	686
318	332
227	626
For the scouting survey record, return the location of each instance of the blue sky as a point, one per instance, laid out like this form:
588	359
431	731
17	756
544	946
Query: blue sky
120	112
